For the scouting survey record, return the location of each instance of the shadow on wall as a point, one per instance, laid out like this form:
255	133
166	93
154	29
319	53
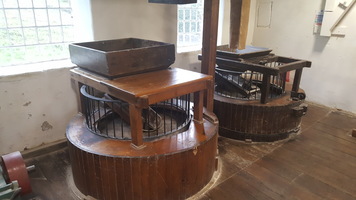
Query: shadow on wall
320	43
196	66
188	61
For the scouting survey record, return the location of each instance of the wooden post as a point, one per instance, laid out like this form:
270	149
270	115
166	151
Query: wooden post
265	87
136	126
296	81
198	106
239	17
198	111
284	79
210	31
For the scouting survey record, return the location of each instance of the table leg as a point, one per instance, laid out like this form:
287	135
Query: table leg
136	126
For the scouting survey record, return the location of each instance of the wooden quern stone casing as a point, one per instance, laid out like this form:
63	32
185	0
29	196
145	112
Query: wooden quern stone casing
253	121
174	166
253	99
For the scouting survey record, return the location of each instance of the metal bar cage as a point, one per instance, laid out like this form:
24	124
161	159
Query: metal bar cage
256	76
109	117
247	85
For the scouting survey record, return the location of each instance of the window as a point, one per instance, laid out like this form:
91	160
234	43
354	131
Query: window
34	30
190	26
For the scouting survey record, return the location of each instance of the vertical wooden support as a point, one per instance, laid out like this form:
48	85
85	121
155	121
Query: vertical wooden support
198	105
136	125
265	88
210	31
297	77
235	21
239	17
284	80
198	111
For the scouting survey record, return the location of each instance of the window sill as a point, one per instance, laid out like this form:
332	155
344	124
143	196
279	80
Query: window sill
188	49
35	67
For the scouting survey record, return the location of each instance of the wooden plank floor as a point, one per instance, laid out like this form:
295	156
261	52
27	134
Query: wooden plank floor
318	164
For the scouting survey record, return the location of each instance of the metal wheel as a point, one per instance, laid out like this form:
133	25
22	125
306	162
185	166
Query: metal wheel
15	169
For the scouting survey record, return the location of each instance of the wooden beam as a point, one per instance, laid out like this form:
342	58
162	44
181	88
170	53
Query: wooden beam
239	17
266	83
210	31
297	78
235	20
198	106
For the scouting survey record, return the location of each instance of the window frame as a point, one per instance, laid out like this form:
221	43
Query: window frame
36	49
191	48
198	21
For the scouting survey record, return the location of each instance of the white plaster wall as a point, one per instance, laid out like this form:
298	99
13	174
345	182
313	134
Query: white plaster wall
113	19
332	78
83	20
35	108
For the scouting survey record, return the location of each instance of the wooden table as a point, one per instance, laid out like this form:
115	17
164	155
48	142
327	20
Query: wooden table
142	90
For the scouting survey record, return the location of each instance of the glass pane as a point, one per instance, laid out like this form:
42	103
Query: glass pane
187	15
56	34
199	15
194	14
5	57
39	3
41	17
33	54
30	35
186	38
16	37
4	38
10	4
68	33
2	19
43	35
180	14
180	38
187	25
27	17
195	39
12	55
64	3
193	27
52	4
13	18
200	37
199	27
54	51
66	16
25	3
180	27
54	17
